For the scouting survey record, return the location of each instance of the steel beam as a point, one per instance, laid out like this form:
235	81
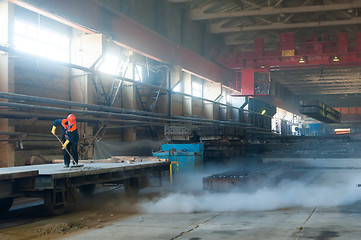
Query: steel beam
315	78
328	92
303	84
290	105
218	27
199	14
277	61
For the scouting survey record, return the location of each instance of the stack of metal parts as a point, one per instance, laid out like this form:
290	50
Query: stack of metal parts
236	179
319	111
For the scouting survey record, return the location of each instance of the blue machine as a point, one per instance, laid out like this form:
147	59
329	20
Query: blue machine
188	156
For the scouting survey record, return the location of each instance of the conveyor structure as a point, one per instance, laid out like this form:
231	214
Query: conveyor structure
329	146
231	180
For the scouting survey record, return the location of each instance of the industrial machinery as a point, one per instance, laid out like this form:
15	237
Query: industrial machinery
193	146
188	156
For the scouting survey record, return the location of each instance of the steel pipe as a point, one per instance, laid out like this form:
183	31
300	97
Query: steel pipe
51	117
93	71
58	109
99	109
19	134
15	96
112	110
109	114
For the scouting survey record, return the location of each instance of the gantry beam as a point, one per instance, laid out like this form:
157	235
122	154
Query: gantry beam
322	85
318	82
316	78
327	91
199	13
218	27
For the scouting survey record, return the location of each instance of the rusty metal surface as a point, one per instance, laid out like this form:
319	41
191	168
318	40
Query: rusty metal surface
5	174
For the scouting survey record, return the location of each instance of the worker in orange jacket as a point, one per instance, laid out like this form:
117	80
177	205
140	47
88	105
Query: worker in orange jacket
70	137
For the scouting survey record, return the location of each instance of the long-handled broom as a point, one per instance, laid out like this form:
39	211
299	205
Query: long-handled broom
71	156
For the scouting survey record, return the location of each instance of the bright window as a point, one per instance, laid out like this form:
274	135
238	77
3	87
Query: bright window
177	88
40	41
138	76
109	64
197	89
113	65
228	98
138	73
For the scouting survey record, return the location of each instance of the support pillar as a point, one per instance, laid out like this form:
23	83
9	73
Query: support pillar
85	50
214	91
7	150
187	88
177	100
130	102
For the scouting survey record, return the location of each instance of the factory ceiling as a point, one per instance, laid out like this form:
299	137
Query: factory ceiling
316	24
239	22
319	81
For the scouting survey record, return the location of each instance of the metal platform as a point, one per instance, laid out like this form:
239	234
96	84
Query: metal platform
58	185
17	173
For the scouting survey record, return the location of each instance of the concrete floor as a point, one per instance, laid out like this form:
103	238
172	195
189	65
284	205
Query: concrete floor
299	223
331	210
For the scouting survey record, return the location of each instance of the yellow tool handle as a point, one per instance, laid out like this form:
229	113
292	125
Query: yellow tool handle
65	148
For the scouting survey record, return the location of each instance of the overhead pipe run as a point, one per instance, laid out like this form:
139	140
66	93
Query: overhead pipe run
100	109
106	110
14	96
112	114
24	134
93	71
107	119
51	117
57	109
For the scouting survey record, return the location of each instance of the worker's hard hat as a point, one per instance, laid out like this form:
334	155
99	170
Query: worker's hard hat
71	119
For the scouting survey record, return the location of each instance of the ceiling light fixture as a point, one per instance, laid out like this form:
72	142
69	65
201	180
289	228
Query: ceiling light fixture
302	60
336	59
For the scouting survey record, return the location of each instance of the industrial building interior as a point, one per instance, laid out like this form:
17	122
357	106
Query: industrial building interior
197	119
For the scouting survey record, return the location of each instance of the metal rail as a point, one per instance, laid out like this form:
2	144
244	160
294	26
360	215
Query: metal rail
103	110
113	114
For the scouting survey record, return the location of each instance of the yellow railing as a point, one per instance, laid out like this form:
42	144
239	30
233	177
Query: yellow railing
171	170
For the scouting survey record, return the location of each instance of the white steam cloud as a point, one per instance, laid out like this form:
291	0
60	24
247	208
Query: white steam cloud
285	194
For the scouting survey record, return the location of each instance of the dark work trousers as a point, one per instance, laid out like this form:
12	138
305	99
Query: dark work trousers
73	149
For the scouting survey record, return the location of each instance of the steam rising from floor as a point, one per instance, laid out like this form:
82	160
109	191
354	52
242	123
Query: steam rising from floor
331	187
